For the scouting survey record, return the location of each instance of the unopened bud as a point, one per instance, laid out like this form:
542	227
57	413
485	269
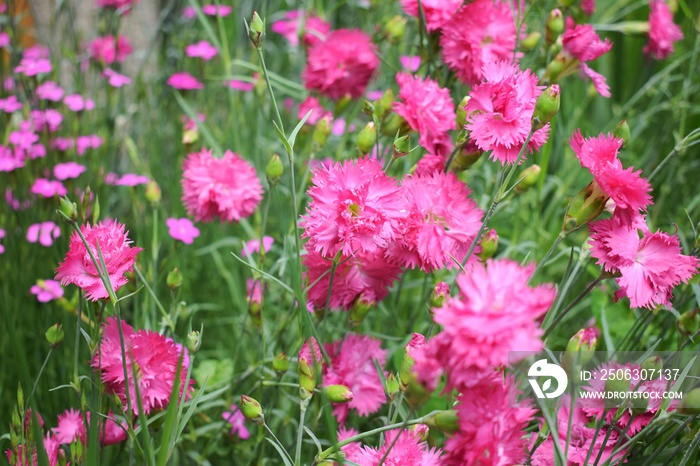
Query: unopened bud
367	138
368	108
342	103
622	131
393	123
440	293
580	349
274	169
174	279
531	40
689	322
193	341
528	178
653	364
489	244
462	112
639	405
447	421
153	194
68	208
402	145
281	363
395	28
584	207
554	68
251	409
361	308
309	365
555	26
392	386
385	103
546	107
420	431
322	130
338	393
256	30
406	371
85	204
54	335
617	385
690	405
467	156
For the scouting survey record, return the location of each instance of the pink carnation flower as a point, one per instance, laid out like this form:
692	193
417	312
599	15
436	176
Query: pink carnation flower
33	66
237	421
48	188
201	49
108	49
119	257
581	43
184	81
663	32
156	357
68	170
115	79
491	425
342	65
122	6
315	30
481	32
44	233
11	160
354	206
410	63
227	187
182	229
217	10
49	120
428	109
499	112
91	141
4	40
650	266
70	427
407	450
253	246
10	104
47	290
494	313
76	103
49	90
437	12
440	223
365	276
312	104
2	236
352	365
588	6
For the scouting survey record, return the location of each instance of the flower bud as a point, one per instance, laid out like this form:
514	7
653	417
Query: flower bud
338	393
462	112
447	421
341	104
193	341
440	293
68	208
368	108
689	322
251	409
653	364
528	178
153	194
385	103
690	405
531	40
546	107
420	431
367	138
584	207
395	28
622	131
393	124
281	363
406	371
174	279
392	386
85	202
402	145
54	335
555	26
309	365
489	244
580	349
274	169
322	130
256	30
554	68
361	308
416	394
467	156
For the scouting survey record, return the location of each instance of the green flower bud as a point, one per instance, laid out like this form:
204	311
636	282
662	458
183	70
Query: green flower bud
174	279
489	244
584	207
394	123
617	386
54	335
392	386
529	178
447	421
256	30
440	293
342	103
462	112
251	409
193	341
395	28
546	107
402	145
467	156
153	194
360	309
690	405
384	104
368	108
531	40
68	208
322	130
555	26
406	375
689	322
622	131
338	393
367	138
639	405
653	364
554	69
281	363
274	169
85	202
580	349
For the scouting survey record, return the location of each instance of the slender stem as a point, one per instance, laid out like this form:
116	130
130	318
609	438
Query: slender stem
573	303
300	433
269	88
41	371
560	237
277	442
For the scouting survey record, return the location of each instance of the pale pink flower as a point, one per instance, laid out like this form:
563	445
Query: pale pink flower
76	103
342	65
108	49
115	79
650	266
491	425
237	421
47	290
407	450
70	427
10	104
156	358
237	85
184	81
480	33
217	10
499	112
428	109
440	223
227	187
91	141
44	233
663	32
111	432
33	66
352	448
366	276
315	28
201	49
352	365
68	170
354	206
182	229
410	63
437	12
119	257
495	313
49	90
253	246
48	188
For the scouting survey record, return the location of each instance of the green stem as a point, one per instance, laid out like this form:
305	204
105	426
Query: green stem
300	433
541	264
573	303
276	441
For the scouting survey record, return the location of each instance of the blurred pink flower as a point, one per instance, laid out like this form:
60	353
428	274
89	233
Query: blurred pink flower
437	12
588	6
131	180
2	236
33	66
49	90
428	109
115	79
10	104
10	159
352	365
406	450
312	104
480	33
90	141
48	188
47	290
182	229
410	63
430	164
108	49
201	49
123	6
315	32
663	32
62	144
439	225
184	81
499	112
236	85
36	52
70	427
76	103
253	246
310	352
254	291
48	119
237	421
119	257
25	137
217	10
227	187
342	65
44	233
4	40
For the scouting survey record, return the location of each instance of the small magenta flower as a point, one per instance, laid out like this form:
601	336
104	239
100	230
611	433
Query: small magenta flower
48	188
237	421
201	49
49	90
410	62
217	10
10	104
68	170
2	236
182	229
109	49
253	246
236	85
315	30
132	180
33	66
663	32
47	290
76	103
184	81
115	79
44	233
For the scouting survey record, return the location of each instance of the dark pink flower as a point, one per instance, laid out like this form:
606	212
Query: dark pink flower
227	187
184	81
49	90
237	421
44	233
47	290
108	49
437	12
182	229
315	28
582	43
342	65
201	49
407	450
663	32
312	104
119	257
121	6
48	188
